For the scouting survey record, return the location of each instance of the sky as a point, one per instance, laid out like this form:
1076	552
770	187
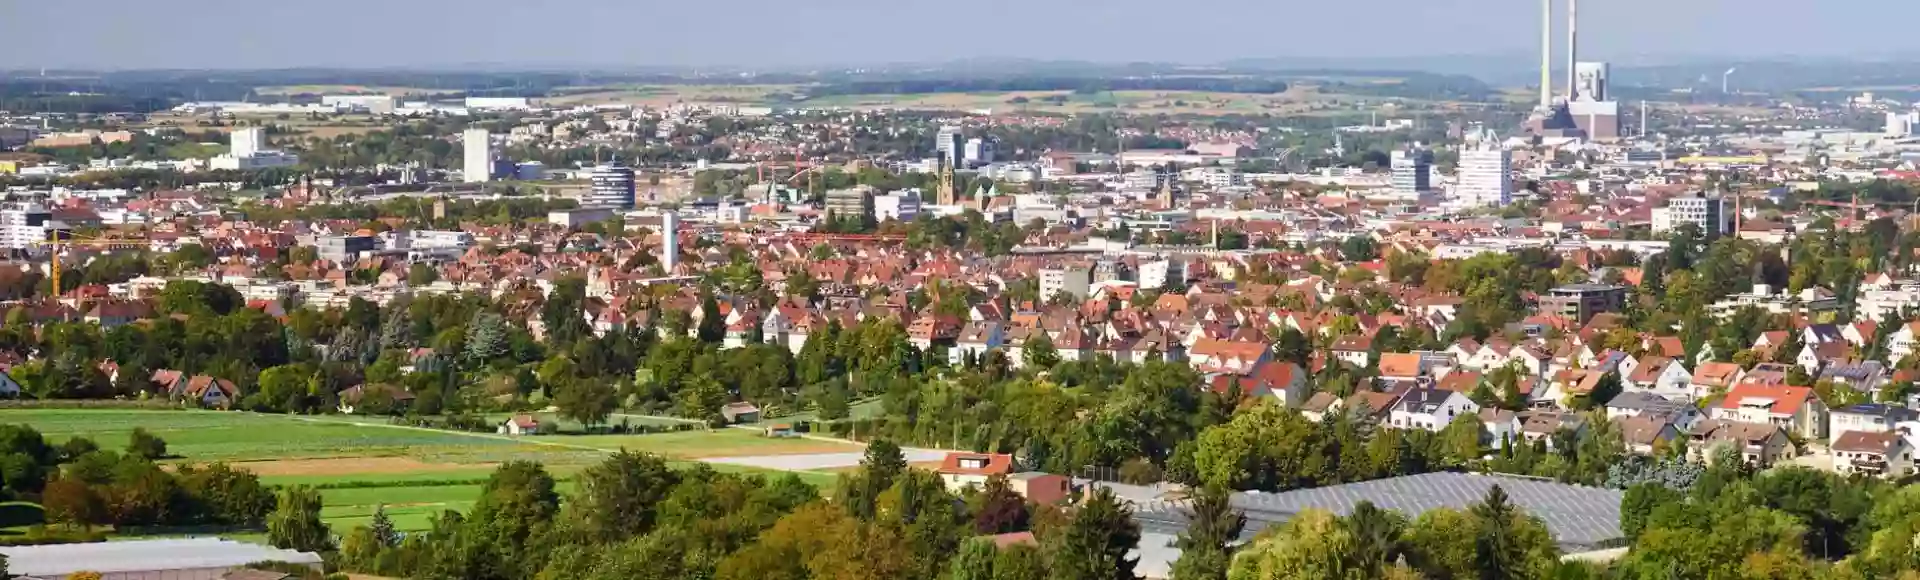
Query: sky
238	34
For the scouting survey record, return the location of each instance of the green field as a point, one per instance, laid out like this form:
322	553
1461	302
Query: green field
362	463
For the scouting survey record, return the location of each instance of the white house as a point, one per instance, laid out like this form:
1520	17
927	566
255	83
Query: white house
1429	409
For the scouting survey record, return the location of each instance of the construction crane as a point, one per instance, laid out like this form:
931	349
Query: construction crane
58	245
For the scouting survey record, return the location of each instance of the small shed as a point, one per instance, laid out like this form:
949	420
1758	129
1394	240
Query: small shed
521	424
741	412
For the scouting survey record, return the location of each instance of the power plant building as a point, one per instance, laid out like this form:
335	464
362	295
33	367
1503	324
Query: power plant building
1588	110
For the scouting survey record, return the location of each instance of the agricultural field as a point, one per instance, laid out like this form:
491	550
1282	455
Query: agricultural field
664	95
360	463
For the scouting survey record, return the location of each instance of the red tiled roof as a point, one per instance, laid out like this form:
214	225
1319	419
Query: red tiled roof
995	464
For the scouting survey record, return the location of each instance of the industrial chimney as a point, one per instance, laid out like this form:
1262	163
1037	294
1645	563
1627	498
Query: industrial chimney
1546	55
1573	50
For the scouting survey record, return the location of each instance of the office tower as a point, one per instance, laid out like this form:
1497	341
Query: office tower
478	156
950	144
669	241
979	151
248	142
612	187
1485	177
1412	171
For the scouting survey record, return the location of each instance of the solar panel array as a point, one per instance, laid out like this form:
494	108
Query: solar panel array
1580	518
144	555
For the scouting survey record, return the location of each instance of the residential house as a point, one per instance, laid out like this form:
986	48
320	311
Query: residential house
976	339
1865	376
1662	376
1501	427
398	399
961	469
1543	425
1759	444
1317	406
1371	406
110	314
1400	369
1795	409
1883	454
1041	488
1868	418
1714	377
1226	356
1463	382
1814	356
1638	404
1822	334
208	392
1354	349
1566	385
169	381
1284	381
1903	342
1429	409
1644	434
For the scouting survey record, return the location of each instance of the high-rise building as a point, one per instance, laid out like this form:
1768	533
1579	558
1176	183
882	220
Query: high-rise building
612	186
669	241
248	142
1485	177
950	144
1412	171
478	166
979	151
22	225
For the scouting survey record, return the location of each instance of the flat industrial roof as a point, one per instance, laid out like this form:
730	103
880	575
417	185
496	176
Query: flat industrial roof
144	555
1580	518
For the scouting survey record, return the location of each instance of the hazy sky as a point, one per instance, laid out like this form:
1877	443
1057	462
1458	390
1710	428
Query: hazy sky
281	33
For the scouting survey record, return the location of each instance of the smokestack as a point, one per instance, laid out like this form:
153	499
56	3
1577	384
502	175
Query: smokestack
1546	55
1573	49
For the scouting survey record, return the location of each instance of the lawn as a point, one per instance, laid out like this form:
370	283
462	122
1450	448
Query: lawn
362	463
221	436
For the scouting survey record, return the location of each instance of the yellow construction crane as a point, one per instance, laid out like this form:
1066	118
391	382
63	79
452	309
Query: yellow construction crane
59	245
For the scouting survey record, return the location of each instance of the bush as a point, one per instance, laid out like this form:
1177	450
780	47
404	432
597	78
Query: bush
1138	471
21	514
40	536
147	445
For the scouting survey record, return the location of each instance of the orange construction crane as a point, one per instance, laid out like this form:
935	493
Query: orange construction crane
59	245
